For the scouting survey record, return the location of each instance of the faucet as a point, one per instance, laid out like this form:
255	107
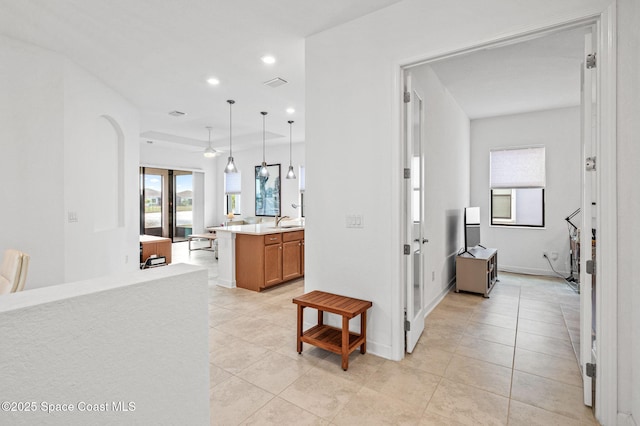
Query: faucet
279	219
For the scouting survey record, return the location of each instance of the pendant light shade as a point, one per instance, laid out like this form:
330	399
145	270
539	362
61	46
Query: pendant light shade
264	172
231	167
209	152
290	174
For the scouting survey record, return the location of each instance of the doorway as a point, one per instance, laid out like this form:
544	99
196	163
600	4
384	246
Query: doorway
602	124
166	203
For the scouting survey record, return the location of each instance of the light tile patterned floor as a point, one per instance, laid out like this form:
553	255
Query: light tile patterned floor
504	360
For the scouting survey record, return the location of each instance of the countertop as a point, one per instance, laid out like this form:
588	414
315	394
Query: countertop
258	229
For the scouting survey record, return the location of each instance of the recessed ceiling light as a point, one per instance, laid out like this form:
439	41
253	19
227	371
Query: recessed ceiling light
290	110
213	81
268	59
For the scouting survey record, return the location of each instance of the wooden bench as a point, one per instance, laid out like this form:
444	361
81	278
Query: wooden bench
337	340
211	237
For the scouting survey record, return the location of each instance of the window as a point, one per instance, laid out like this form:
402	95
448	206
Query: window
233	203
517	186
232	189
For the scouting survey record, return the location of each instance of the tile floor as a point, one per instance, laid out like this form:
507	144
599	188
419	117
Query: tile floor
508	359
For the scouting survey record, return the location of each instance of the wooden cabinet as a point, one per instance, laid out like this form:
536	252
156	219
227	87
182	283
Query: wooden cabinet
477	270
291	259
272	264
266	260
292	255
150	245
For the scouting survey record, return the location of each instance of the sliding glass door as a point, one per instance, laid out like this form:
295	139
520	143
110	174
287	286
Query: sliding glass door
166	203
183	205
153	189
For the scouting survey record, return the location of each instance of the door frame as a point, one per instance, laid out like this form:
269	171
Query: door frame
606	209
415	330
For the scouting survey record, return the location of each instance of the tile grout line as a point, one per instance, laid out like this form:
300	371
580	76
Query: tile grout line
513	363
424	411
564	320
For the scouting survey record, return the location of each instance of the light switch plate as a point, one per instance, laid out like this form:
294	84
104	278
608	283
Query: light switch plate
355	221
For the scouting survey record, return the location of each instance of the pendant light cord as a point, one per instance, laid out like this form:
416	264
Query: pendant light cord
290	140
231	102
264	116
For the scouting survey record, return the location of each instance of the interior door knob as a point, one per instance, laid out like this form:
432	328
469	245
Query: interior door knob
424	240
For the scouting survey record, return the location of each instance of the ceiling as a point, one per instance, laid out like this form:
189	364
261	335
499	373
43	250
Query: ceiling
542	73
159	54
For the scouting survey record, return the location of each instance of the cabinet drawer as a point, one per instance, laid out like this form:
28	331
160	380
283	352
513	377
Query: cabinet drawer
272	239
293	236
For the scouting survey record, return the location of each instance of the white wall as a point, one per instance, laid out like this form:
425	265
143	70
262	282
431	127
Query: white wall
246	161
49	112
520	249
140	337
446	148
31	157
352	136
628	146
92	251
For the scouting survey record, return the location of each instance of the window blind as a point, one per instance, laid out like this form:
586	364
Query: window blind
232	183
517	168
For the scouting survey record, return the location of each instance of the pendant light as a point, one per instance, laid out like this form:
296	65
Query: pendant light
231	167
264	172
290	173
209	152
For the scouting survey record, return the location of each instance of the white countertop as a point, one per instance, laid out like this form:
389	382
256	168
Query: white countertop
258	229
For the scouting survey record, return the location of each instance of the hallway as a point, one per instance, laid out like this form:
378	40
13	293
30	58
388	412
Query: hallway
509	359
504	360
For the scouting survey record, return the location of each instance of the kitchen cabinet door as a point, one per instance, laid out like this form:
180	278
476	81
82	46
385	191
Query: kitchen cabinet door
291	256
272	264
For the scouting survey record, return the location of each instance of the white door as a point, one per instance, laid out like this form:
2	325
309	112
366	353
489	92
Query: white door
588	347
414	216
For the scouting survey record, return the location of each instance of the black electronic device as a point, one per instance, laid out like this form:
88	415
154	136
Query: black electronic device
471	228
154	261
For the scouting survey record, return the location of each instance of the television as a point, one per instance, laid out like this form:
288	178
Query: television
471	227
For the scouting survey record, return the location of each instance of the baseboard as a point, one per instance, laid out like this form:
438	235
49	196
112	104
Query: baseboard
226	283
626	419
431	306
381	350
532	271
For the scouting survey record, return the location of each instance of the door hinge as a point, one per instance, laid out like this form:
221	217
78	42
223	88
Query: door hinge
590	370
407	249
407	325
591	267
591	61
407	173
407	97
590	164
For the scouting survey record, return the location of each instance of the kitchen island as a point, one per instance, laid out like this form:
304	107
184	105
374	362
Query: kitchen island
258	256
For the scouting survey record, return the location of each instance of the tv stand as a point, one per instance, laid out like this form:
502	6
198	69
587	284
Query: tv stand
477	270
